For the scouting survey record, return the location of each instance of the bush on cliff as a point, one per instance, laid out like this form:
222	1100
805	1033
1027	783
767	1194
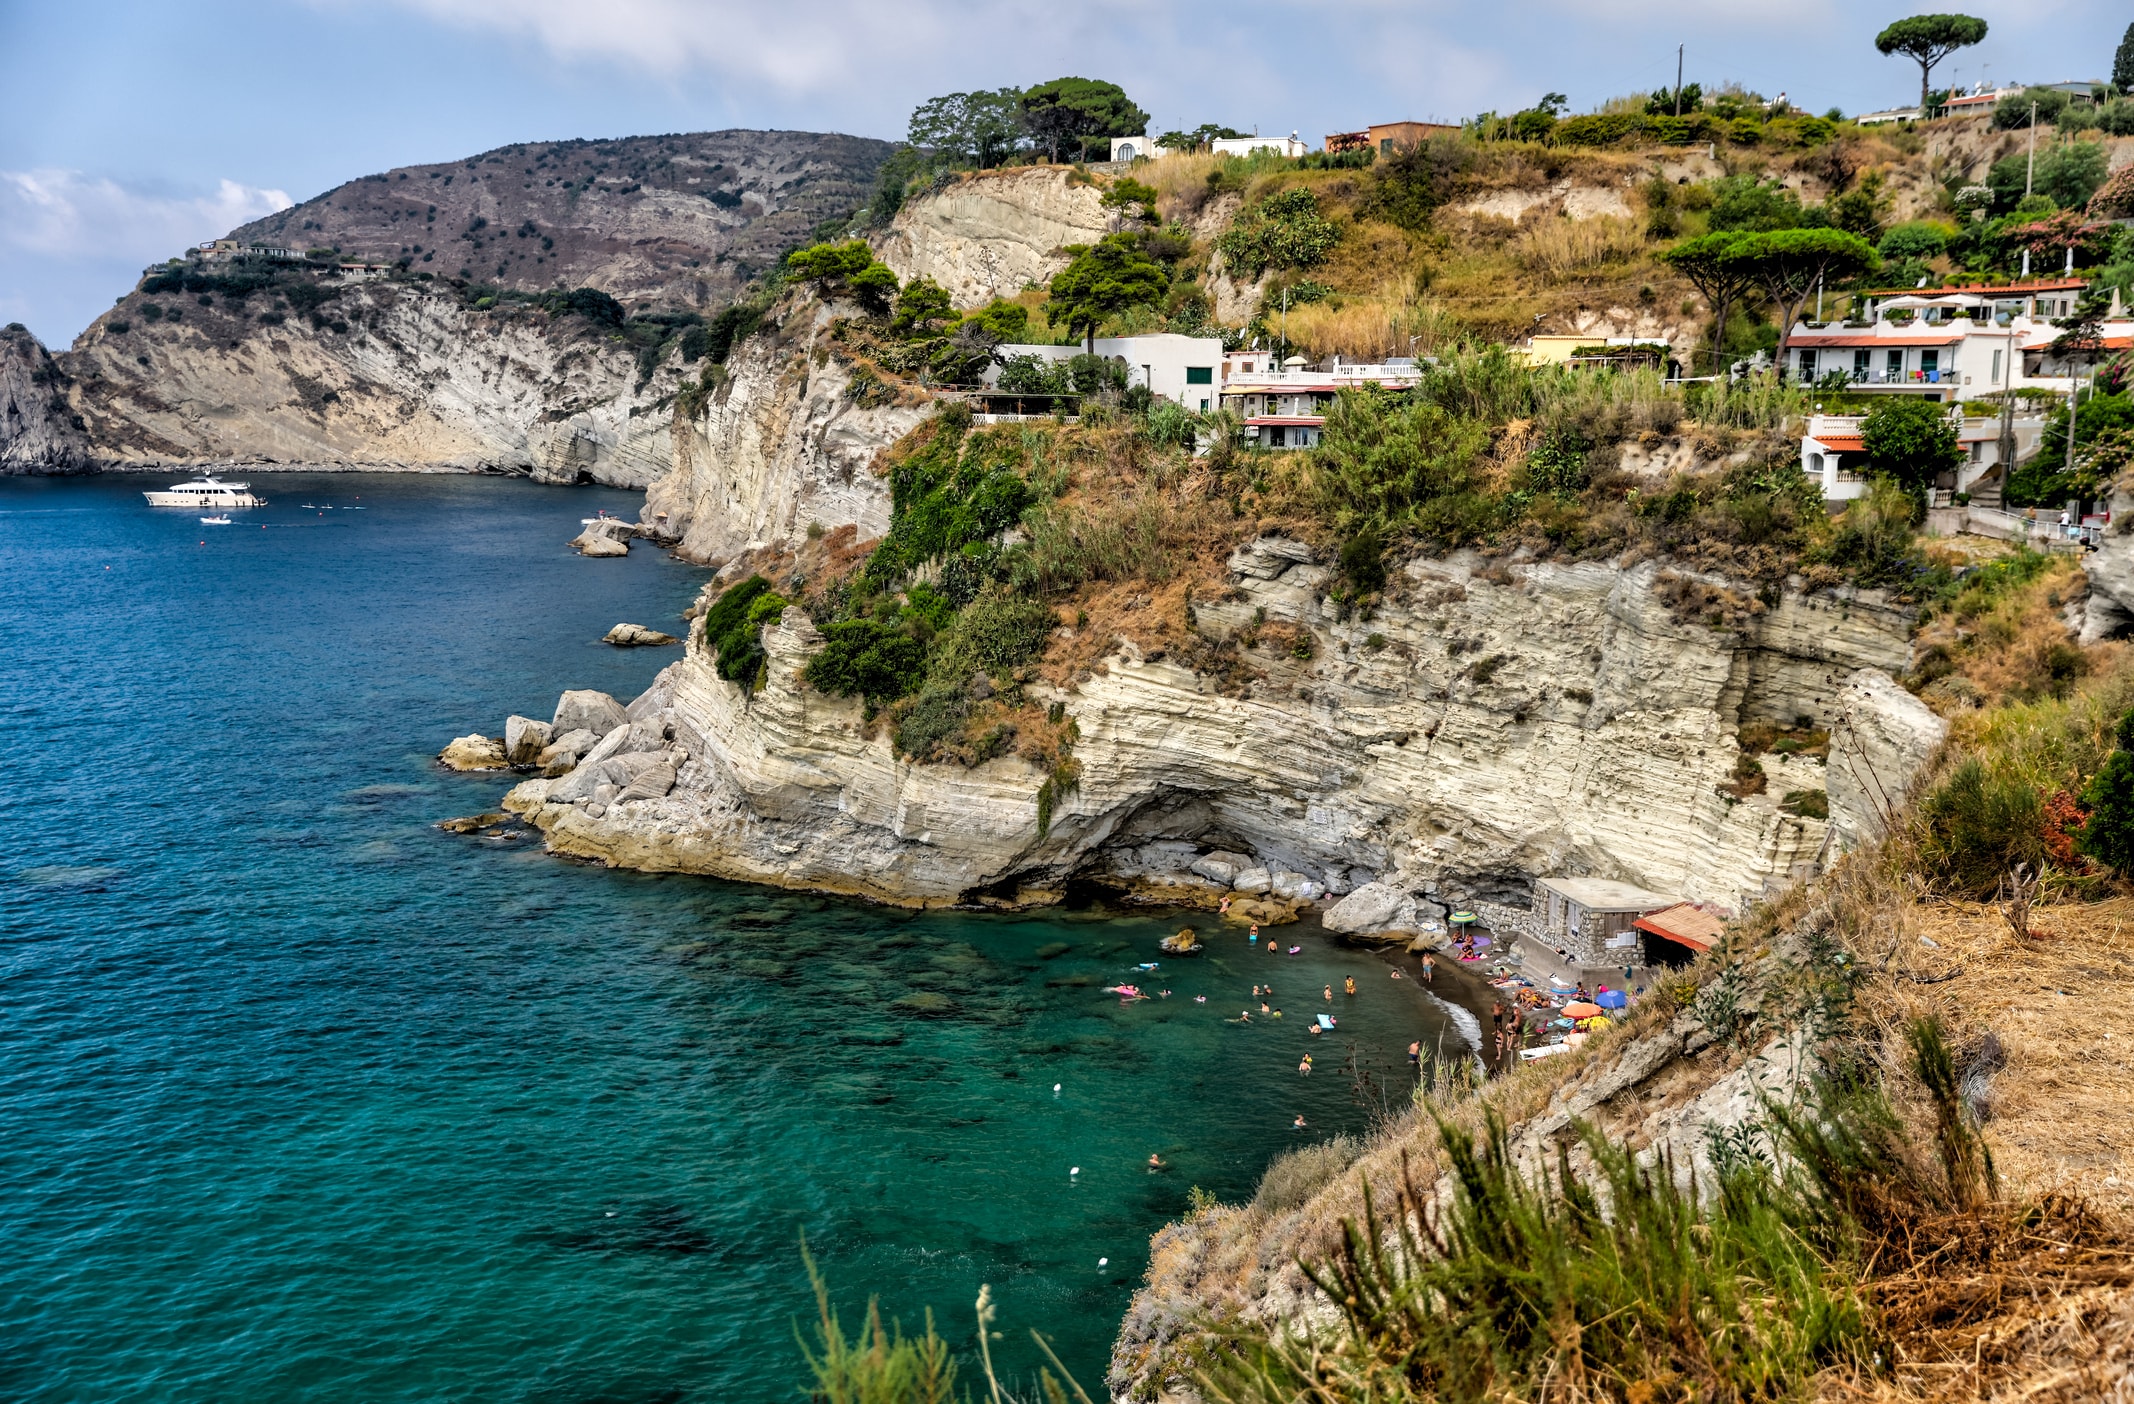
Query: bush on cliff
733	629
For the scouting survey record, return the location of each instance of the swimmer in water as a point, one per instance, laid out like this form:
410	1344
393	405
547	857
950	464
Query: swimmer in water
1350	984
1156	1163
1396	974
1200	999
1263	1006
1329	994
1305	1068
1254	933
1298	1123
1314	1030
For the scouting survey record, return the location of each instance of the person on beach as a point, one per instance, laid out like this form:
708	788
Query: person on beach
1222	908
1350	984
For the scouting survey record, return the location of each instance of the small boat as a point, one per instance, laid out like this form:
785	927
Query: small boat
209	491
223	520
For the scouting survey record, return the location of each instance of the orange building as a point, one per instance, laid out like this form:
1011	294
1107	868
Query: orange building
1388	137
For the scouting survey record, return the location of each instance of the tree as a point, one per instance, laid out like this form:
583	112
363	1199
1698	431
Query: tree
1104	279
1911	441
1199	139
1709	263
921	307
982	128
1746	202
875	286
2080	342
1077	111
1790	263
1927	40
848	268
2123	63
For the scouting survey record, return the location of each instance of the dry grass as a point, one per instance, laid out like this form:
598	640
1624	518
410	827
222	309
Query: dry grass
1563	249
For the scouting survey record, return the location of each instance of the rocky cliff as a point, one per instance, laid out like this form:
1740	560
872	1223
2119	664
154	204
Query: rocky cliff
990	234
683	220
782	445
395	374
1489	724
39	431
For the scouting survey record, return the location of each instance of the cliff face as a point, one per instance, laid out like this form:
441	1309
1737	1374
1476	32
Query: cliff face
404	376
781	445
38	430
683	220
1597	741
986	235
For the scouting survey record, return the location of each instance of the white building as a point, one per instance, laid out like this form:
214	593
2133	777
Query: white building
1834	454
1173	367
1285	407
1290	145
1132	148
1943	343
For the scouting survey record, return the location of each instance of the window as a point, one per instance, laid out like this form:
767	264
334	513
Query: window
1895	365
1996	368
1200	375
1930	366
1807	364
1859	363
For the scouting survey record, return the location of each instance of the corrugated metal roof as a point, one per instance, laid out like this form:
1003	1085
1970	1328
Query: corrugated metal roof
1693	927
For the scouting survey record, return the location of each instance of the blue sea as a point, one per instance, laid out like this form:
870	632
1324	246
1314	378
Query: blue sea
302	1098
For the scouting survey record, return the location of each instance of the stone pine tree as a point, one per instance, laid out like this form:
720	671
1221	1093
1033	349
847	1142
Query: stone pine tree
1073	112
2123	64
1105	278
1709	263
1790	264
1927	40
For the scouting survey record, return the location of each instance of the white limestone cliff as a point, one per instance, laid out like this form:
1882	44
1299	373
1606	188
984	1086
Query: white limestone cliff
1598	743
988	234
417	381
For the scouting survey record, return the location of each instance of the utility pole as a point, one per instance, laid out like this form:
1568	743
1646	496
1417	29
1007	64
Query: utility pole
1678	80
2030	171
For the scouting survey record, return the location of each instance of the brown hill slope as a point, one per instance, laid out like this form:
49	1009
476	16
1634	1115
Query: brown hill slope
682	220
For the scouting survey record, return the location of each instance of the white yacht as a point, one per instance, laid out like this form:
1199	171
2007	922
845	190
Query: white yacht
205	492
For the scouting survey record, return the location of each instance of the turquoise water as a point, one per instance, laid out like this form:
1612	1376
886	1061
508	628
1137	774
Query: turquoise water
304	1099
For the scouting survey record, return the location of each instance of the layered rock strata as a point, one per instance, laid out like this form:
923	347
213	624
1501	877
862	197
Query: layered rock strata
1489	725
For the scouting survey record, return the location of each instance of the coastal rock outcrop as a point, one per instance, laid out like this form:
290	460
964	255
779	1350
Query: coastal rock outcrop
1601	739
786	445
989	233
525	739
605	536
475	752
637	636
586	710
39	431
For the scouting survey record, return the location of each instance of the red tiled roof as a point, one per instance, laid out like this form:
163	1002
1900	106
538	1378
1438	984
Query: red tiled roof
1840	443
2104	343
1693	927
1812	340
1309	421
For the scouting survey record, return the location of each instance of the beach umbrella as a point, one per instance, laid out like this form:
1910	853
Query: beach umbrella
1462	918
1579	1009
1613	999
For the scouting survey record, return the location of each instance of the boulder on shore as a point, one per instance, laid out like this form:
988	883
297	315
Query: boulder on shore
586	710
525	739
474	753
564	753
607	536
1373	908
637	636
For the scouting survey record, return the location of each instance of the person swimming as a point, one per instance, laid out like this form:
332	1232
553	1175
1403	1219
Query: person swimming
1314	1030
1350	984
1296	950
1156	1163
1305	1068
1263	1006
1298	1123
1200	999
1330	994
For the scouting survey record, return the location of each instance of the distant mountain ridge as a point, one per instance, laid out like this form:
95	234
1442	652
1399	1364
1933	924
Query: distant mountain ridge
682	220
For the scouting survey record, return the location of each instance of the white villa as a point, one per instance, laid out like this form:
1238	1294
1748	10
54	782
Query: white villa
1941	343
1174	367
1285	407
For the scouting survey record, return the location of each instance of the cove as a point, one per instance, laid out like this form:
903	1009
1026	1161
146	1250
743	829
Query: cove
304	1099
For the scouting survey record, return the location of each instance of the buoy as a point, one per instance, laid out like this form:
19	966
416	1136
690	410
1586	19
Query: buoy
1102	1261
1075	1171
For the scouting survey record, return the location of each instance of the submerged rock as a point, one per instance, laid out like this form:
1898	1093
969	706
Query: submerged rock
475	752
608	536
637	636
473	823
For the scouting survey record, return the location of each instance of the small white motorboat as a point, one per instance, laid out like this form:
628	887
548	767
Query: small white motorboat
223	520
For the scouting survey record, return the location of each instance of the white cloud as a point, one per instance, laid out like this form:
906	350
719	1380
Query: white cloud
74	216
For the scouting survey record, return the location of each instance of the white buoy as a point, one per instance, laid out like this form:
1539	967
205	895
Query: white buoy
1055	1086
1075	1171
1102	1261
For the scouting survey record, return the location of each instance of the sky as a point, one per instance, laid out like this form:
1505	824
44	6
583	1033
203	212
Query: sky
133	128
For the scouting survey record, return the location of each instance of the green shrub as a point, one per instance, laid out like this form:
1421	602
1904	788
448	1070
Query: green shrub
869	659
2108	835
936	715
1976	826
1363	562
1293	1177
733	629
997	633
1284	231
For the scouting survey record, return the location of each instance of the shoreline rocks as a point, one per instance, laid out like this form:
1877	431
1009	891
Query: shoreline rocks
604	536
474	752
637	636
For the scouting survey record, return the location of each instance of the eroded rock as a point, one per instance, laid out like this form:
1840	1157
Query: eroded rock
475	752
637	636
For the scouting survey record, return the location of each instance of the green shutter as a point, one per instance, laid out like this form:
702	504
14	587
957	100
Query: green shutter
1200	375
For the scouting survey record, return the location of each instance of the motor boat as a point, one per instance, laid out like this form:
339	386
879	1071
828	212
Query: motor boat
205	492
223	520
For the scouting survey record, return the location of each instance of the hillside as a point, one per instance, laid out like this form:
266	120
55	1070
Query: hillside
681	221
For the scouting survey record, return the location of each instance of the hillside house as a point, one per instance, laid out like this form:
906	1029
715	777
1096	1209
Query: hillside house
1285	407
1290	145
1585	929
1132	148
1385	138
1835	456
1941	343
1178	368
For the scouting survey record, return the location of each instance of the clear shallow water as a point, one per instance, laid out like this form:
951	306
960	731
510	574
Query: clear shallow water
304	1099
